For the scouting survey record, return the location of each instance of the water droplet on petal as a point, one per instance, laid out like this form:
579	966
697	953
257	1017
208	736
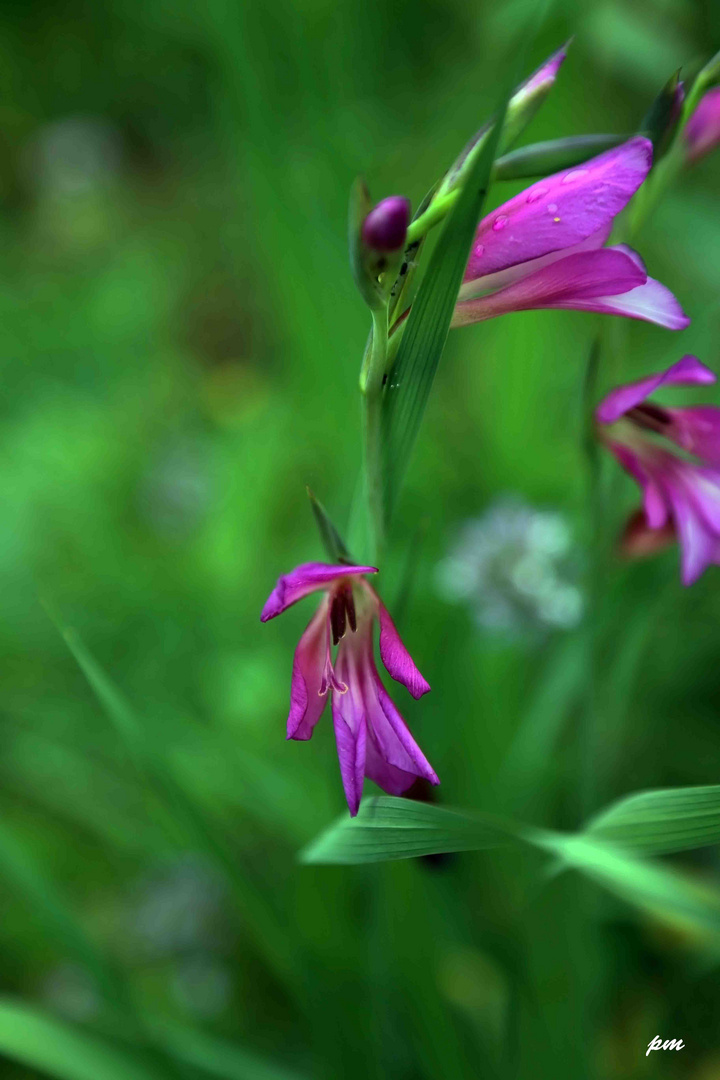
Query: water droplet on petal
552	207
574	175
500	223
479	250
536	193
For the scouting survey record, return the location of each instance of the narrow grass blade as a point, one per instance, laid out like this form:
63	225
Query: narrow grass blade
185	812
663	821
218	1057
412	374
389	828
26	879
58	1049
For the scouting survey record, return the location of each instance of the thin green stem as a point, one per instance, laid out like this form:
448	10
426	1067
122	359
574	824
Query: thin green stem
437	210
371	385
588	764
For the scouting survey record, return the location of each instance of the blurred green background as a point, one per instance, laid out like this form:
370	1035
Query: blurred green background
181	346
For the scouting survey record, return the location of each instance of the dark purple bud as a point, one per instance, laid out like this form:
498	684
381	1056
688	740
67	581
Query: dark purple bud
385	227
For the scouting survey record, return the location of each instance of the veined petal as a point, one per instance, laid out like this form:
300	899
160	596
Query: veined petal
574	281
305	579
561	210
306	701
351	752
686	372
349	718
397	660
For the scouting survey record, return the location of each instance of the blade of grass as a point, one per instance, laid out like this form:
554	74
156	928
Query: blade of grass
663	821
390	828
218	1057
267	930
413	371
61	1050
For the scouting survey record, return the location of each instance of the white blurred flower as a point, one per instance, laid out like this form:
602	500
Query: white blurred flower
514	567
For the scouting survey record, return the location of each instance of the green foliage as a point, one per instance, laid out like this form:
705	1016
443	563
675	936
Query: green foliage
181	345
660	822
423	339
387	828
64	1051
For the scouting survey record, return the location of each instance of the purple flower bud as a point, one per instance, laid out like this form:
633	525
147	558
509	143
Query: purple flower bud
702	132
385	227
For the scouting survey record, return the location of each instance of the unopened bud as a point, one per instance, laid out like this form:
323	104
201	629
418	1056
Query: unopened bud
702	131
522	106
385	227
661	121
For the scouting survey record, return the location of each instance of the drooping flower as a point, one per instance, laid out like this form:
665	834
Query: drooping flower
681	490
372	738
702	131
544	248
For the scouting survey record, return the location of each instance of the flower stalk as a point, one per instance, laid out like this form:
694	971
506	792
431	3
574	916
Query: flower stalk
371	387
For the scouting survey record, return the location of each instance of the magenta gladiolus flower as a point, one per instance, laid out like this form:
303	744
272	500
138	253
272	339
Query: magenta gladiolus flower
544	248
702	131
372	738
682	492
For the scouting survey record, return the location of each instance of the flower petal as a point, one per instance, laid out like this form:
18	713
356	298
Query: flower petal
388	777
304	579
306	702
686	372
351	752
393	735
397	660
491	282
561	210
697	430
700	546
650	480
651	301
573	281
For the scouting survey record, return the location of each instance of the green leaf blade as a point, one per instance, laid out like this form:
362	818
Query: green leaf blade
390	828
411	376
663	821
61	1050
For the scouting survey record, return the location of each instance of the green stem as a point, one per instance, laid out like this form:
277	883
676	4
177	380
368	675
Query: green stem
435	212
588	763
371	386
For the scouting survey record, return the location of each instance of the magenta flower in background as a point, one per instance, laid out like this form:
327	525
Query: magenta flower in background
372	738
702	131
545	248
680	493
